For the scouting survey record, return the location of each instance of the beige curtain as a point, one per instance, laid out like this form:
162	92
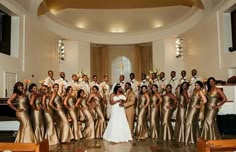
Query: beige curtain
99	61
144	59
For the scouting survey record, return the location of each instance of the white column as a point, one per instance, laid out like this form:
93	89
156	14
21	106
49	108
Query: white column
84	57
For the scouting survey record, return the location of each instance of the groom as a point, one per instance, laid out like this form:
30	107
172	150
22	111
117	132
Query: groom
129	105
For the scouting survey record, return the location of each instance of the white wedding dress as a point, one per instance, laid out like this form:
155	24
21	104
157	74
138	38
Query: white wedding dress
118	128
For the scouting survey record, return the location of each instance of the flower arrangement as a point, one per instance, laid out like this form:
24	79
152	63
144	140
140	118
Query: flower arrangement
151	72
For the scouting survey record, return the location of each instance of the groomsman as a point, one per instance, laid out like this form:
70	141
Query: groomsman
129	105
162	83
84	84
74	83
105	92
63	83
154	78
183	77
122	81
94	82
193	80
49	81
144	80
134	83
173	81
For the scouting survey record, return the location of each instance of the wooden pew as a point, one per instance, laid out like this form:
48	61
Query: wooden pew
215	145
26	147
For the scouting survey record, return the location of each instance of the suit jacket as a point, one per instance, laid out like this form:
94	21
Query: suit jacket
130	103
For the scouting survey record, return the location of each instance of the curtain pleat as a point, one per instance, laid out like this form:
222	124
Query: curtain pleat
99	61
144	56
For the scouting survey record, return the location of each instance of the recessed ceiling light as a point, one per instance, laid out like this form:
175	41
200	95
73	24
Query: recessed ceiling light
82	25
117	29
53	11
157	24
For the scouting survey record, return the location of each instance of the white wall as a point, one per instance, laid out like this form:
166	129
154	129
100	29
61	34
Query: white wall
40	51
84	57
70	64
77	58
35	52
164	57
226	58
204	46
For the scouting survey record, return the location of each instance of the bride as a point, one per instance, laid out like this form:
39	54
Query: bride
118	128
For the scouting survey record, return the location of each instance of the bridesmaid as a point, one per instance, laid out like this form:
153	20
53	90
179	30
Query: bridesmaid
69	103
216	98
63	127
143	103
50	130
36	112
191	124
155	103
81	104
25	133
183	99
167	108
96	100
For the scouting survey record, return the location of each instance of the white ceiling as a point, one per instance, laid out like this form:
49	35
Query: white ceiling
121	20
129	20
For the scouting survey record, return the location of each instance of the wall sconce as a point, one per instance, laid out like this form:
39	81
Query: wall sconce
179	47
61	51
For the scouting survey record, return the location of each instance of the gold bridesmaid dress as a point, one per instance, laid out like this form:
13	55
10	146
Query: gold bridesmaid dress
64	131
154	120
179	133
166	131
50	132
25	132
74	116
89	131
141	131
191	124
209	128
37	120
100	124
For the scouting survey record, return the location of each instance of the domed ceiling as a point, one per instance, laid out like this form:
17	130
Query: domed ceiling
120	16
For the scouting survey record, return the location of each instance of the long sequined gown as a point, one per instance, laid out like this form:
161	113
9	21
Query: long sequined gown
154	120
100	124
89	131
50	129
209	128
37	120
25	132
166	130
74	116
191	124
179	133
63	127
141	131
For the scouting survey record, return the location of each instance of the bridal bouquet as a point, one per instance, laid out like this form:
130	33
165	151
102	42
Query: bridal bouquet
122	99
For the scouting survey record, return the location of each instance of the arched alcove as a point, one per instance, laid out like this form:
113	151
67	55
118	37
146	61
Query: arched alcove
120	65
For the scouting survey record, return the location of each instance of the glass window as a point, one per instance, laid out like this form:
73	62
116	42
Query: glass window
121	65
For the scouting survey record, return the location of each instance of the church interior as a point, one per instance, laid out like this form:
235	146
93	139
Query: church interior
113	38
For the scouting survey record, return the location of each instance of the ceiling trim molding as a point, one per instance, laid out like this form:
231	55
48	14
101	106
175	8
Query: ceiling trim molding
56	5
